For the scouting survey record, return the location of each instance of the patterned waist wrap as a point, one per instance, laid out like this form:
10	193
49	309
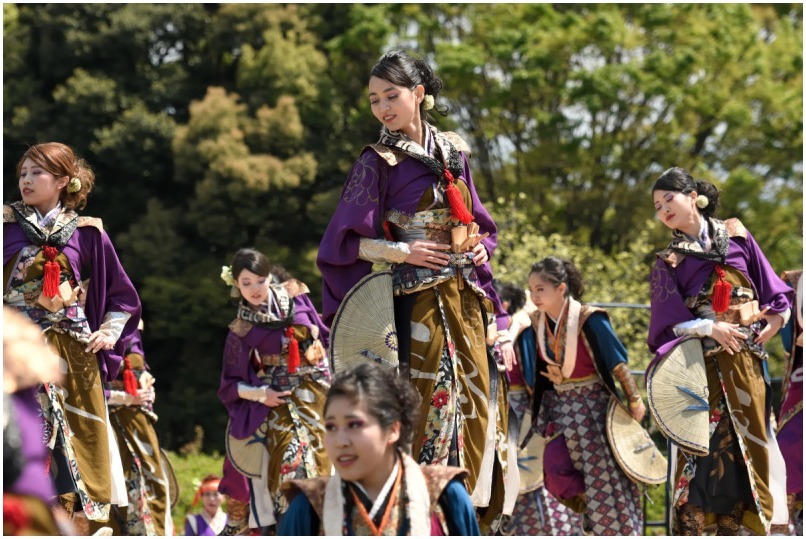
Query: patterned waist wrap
740	297
432	225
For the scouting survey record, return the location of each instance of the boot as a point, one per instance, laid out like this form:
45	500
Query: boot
729	524
691	520
237	518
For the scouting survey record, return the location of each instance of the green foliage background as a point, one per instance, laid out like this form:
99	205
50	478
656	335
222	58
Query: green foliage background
217	126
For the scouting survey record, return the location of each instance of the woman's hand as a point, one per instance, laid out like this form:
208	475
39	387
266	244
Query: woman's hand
275	398
508	354
774	323
428	254
480	255
100	341
145	396
638	410
729	336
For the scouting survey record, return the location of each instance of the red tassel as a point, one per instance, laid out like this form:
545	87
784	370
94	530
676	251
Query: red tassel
52	271
458	208
720	300
129	380
293	351
16	517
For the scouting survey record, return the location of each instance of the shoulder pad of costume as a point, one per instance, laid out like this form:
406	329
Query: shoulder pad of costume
295	287
671	257
791	277
390	155
735	228
313	489
240	327
91	221
587	310
437	478
8	214
457	141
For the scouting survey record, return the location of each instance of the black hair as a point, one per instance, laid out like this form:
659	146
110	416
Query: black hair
401	69
680	180
387	396
558	271
515	295
256	262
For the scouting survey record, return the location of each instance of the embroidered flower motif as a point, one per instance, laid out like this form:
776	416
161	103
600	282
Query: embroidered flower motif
440	399
226	275
428	102
74	185
701	202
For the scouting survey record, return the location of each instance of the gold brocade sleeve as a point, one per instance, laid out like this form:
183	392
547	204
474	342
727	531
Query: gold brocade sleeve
379	251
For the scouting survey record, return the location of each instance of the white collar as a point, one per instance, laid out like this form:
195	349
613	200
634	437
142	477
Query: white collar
382	495
217	522
50	216
418	507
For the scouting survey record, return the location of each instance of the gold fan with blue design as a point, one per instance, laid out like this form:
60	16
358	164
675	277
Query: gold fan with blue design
364	326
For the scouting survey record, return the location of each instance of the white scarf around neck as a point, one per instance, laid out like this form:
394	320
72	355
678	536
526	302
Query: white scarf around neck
419	502
569	359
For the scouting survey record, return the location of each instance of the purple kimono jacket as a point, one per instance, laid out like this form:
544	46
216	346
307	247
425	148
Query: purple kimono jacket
360	213
33	479
110	289
245	415
670	286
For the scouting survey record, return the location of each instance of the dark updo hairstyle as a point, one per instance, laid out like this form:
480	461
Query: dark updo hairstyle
515	295
256	262
58	159
680	181
401	69
558	271
387	397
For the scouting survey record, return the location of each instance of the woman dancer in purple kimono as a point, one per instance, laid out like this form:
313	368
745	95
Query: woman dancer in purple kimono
708	270
275	377
402	199
62	271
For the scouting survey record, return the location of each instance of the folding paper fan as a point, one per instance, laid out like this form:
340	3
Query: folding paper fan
247	454
677	391
530	457
633	448
364	326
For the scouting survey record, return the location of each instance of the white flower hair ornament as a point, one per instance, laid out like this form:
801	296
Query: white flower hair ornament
701	202
74	185
428	102
226	275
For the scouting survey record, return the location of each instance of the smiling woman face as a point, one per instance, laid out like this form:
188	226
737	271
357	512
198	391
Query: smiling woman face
396	107
358	446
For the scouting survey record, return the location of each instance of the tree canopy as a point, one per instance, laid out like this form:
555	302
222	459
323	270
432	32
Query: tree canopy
218	126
